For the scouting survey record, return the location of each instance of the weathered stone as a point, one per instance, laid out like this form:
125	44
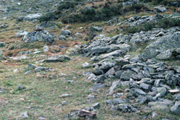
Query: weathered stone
126	75
118	74
66	95
110	72
160	9
65	32
96	86
41	35
113	86
96	106
20	34
165	55
161	92
28	72
146	80
86	65
58	58
114	53
32	17
164	43
95	28
145	86
129	66
62	37
99	79
39	69
118	101
136	92
126	108
176	108
177	97
20	58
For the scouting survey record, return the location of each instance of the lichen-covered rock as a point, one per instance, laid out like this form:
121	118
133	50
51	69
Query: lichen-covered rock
176	108
57	58
165	55
167	42
41	35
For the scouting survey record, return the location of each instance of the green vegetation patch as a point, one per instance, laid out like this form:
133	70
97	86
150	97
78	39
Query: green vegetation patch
164	23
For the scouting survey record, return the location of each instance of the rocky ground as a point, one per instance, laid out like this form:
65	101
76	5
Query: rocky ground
97	70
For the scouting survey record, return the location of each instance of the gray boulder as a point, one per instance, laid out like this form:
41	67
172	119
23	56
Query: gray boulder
126	75
62	37
96	28
165	55
65	33
39	69
96	86
58	58
32	17
171	41
176	108
160	9
126	108
41	35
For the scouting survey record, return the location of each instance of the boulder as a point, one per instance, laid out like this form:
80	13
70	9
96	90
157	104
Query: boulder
20	34
32	17
176	108
160	8
65	33
171	41
57	58
126	75
165	55
96	86
95	28
62	37
41	35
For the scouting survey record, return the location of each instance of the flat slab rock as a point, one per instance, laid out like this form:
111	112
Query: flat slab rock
57	58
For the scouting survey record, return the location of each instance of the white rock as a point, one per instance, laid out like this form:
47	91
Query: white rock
15	70
25	114
20	58
18	3
86	65
45	48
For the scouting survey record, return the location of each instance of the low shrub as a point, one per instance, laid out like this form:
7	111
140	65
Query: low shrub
48	17
164	23
67	5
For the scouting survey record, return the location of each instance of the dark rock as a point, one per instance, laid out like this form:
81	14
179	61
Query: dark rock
145	86
2	44
137	92
99	79
65	33
96	106
126	75
126	108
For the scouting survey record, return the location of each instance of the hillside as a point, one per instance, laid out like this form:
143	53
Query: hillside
98	59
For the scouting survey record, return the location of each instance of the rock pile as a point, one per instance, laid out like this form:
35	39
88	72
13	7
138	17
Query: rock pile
38	35
147	81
